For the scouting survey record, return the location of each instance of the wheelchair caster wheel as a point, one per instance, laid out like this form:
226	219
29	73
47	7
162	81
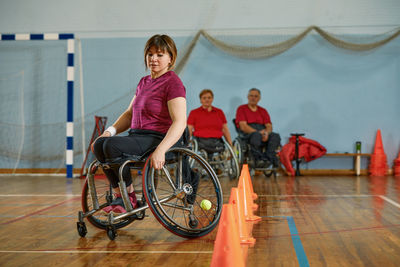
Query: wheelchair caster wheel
268	173
140	215
111	233
193	223
82	231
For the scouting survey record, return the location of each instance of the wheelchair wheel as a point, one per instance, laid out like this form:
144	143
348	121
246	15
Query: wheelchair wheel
175	193
237	149
194	146
232	162
104	194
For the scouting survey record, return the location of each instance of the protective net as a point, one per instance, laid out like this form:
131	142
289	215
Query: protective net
258	46
33	110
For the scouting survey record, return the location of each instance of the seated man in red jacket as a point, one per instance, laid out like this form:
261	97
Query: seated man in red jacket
255	127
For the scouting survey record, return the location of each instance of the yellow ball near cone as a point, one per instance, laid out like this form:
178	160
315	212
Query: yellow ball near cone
205	204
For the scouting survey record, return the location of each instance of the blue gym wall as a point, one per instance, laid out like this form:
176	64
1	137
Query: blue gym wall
334	96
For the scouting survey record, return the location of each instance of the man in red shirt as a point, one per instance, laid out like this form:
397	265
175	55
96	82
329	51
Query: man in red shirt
254	124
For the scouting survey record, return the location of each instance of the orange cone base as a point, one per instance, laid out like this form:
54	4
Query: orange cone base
378	173
253	218
248	241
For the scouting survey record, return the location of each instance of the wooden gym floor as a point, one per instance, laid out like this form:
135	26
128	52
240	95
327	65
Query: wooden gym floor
306	221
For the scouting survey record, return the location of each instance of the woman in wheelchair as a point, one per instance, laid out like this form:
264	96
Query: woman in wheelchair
156	119
208	124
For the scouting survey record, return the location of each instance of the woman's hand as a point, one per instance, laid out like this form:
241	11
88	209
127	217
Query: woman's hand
157	159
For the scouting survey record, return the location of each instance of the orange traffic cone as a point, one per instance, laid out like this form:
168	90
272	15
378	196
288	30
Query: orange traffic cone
227	249
238	206
246	174
396	166
248	205
378	142
378	163
246	185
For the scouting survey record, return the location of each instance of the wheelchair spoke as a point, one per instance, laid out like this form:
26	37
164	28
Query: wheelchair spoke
176	206
173	213
175	194
168	176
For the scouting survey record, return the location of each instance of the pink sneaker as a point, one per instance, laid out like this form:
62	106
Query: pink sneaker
118	206
116	201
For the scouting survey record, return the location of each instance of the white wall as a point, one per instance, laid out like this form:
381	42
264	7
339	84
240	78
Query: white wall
119	17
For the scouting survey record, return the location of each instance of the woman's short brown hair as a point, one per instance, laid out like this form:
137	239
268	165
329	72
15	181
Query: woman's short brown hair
205	91
162	43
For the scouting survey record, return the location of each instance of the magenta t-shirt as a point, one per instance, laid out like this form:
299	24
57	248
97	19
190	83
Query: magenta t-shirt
150	108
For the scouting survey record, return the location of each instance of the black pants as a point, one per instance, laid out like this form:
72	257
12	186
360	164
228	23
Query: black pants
111	149
263	150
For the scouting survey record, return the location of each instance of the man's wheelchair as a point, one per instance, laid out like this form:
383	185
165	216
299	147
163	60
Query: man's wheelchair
222	158
243	153
174	195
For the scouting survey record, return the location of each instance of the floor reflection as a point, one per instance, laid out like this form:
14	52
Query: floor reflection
378	185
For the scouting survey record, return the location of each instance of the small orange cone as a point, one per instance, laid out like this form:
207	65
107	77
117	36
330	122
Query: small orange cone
246	185
245	177
378	142
227	249
238	206
378	163
248	205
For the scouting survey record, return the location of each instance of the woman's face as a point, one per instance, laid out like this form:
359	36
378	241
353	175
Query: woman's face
206	100
158	61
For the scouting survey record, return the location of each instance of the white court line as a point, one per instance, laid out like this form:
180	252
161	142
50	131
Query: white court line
38	195
106	252
394	203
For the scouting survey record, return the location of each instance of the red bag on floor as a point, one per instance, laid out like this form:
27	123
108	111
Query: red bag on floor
308	149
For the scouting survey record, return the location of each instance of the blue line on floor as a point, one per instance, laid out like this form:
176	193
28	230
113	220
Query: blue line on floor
298	246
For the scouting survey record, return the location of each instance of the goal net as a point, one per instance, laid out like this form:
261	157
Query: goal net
33	112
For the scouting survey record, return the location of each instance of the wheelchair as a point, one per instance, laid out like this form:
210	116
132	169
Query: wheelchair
243	153
173	194
223	159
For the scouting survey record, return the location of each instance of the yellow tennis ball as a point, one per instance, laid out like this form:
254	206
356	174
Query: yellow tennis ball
205	204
